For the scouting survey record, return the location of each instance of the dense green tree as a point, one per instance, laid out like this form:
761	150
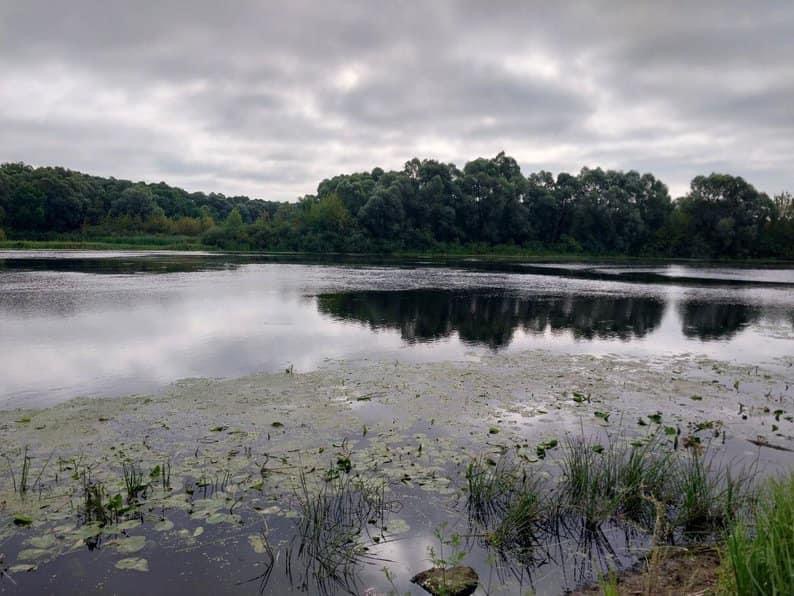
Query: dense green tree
726	216
425	205
136	202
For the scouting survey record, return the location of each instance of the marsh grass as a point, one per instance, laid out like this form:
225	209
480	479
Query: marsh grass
759	557
601	483
332	523
492	486
644	489
23	486
518	530
505	501
161	475
133	482
708	496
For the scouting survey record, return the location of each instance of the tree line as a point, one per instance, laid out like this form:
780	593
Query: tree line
426	206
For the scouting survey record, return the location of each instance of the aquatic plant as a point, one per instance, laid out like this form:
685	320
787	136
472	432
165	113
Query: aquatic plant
505	501
332	519
518	529
23	486
491	486
454	555
599	483
133	481
162	474
708	495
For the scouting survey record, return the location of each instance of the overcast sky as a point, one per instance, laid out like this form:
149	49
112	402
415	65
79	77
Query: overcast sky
267	99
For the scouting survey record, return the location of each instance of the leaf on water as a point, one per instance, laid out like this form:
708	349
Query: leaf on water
696	398
128	546
397	525
216	518
88	531
164	526
277	424
129	524
208	504
198	532
46	541
31	554
602	415
133	564
272	510
493	430
257	543
22	568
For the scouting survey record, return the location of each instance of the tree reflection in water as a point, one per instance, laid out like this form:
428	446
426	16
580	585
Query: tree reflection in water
490	317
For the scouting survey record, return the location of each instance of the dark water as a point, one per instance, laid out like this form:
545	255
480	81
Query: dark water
80	323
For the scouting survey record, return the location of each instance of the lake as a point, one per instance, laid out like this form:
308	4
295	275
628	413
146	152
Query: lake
283	425
110	324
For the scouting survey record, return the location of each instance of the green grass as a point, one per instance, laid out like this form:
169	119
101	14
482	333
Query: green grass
599	483
332	522
708	497
760	556
505	501
492	485
518	530
609	584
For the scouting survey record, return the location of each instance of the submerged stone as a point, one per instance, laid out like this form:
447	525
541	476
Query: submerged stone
452	581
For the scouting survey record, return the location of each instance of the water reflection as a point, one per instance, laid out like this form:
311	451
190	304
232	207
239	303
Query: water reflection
491	316
716	320
112	326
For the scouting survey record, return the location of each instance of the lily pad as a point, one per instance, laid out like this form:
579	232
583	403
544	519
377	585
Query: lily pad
128	546
257	543
31	554
164	526
46	541
397	525
133	564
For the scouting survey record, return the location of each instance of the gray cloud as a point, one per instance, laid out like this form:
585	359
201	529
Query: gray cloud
267	99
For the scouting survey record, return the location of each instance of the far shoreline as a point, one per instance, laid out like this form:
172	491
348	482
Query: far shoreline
506	254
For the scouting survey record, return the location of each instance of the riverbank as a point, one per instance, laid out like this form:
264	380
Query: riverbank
209	467
497	254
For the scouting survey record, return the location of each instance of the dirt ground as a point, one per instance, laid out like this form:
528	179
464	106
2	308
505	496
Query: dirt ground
678	572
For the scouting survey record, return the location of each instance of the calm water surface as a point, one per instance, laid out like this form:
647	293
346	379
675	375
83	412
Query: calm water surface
82	323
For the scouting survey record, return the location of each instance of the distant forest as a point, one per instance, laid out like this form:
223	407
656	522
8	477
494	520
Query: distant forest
489	205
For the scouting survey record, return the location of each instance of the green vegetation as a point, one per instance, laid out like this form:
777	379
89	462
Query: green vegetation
331	520
759	559
638	485
504	500
599	483
487	207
